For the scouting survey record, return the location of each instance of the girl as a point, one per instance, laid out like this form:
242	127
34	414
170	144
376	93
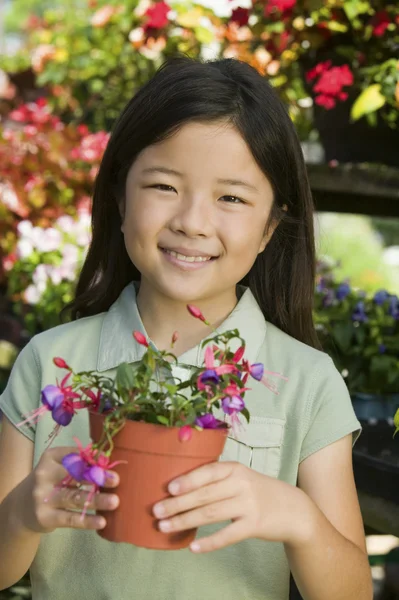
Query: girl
202	197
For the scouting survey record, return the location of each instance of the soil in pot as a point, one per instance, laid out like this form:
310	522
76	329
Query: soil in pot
154	456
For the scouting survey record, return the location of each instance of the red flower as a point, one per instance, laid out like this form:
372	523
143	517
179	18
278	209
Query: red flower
281	6
328	88
140	338
317	70
157	16
380	23
185	433
327	101
60	362
240	15
333	80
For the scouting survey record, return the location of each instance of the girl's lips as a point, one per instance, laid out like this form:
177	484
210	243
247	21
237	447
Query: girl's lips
185	265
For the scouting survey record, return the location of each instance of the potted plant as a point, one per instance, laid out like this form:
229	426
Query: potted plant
361	333
343	54
151	427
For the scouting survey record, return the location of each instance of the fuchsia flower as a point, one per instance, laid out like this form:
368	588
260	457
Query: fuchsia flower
185	433
157	16
60	362
211	374
88	466
140	338
195	312
208	421
58	399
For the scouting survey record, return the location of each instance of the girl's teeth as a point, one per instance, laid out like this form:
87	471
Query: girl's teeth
188	258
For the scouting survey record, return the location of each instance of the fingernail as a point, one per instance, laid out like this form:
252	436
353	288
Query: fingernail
195	547
159	510
113	501
174	487
101	523
165	525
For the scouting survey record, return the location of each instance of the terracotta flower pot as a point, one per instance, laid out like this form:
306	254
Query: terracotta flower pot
154	456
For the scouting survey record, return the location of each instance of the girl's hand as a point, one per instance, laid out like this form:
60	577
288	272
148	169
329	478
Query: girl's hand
50	508
259	506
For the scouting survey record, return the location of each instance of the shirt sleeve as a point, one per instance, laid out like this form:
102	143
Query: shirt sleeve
22	393
330	414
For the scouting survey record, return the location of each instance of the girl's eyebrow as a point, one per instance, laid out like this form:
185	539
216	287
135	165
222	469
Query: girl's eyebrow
167	171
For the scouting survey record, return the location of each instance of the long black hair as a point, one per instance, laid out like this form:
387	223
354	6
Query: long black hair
183	90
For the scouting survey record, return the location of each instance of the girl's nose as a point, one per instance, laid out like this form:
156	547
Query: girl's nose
193	218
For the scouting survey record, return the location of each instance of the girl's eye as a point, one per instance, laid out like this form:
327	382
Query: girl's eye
233	200
163	187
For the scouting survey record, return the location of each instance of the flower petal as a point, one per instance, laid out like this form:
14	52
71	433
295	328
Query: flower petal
75	465
50	394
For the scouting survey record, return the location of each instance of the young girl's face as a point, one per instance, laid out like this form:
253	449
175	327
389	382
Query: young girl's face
197	206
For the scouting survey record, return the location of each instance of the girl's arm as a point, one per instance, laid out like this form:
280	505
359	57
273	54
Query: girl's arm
18	545
331	561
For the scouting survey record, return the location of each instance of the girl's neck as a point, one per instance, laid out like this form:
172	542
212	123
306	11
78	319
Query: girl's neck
162	316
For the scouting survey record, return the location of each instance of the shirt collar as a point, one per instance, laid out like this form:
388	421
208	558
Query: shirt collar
117	344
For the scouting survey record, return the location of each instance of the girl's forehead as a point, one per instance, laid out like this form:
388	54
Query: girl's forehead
214	148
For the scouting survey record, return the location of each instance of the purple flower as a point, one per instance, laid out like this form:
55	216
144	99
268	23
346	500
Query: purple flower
62	411
382	348
380	297
359	314
393	308
209	376
256	370
321	285
342	291
207	421
328	299
50	395
232	404
75	465
96	475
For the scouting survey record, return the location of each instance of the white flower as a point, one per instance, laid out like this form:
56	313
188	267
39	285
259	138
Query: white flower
49	241
55	275
24	228
70	254
24	248
66	223
31	295
40	276
142	8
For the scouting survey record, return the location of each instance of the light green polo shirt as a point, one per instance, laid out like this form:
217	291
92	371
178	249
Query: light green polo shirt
313	410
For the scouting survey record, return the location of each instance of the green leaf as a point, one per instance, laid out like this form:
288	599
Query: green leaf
163	420
353	8
125	376
369	101
246	414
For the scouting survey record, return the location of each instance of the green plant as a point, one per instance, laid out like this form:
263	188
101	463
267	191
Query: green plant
360	332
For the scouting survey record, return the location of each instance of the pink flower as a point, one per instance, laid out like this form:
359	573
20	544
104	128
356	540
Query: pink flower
195	312
140	338
157	16
60	362
185	433
318	70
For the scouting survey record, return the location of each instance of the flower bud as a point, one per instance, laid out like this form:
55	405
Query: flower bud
140	338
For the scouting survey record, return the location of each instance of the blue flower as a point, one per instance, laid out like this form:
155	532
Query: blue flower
393	308
380	297
328	299
359	314
343	291
382	348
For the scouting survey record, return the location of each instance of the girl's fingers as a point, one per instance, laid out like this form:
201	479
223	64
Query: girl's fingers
200	477
65	518
214	492
75	498
232	534
211	513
